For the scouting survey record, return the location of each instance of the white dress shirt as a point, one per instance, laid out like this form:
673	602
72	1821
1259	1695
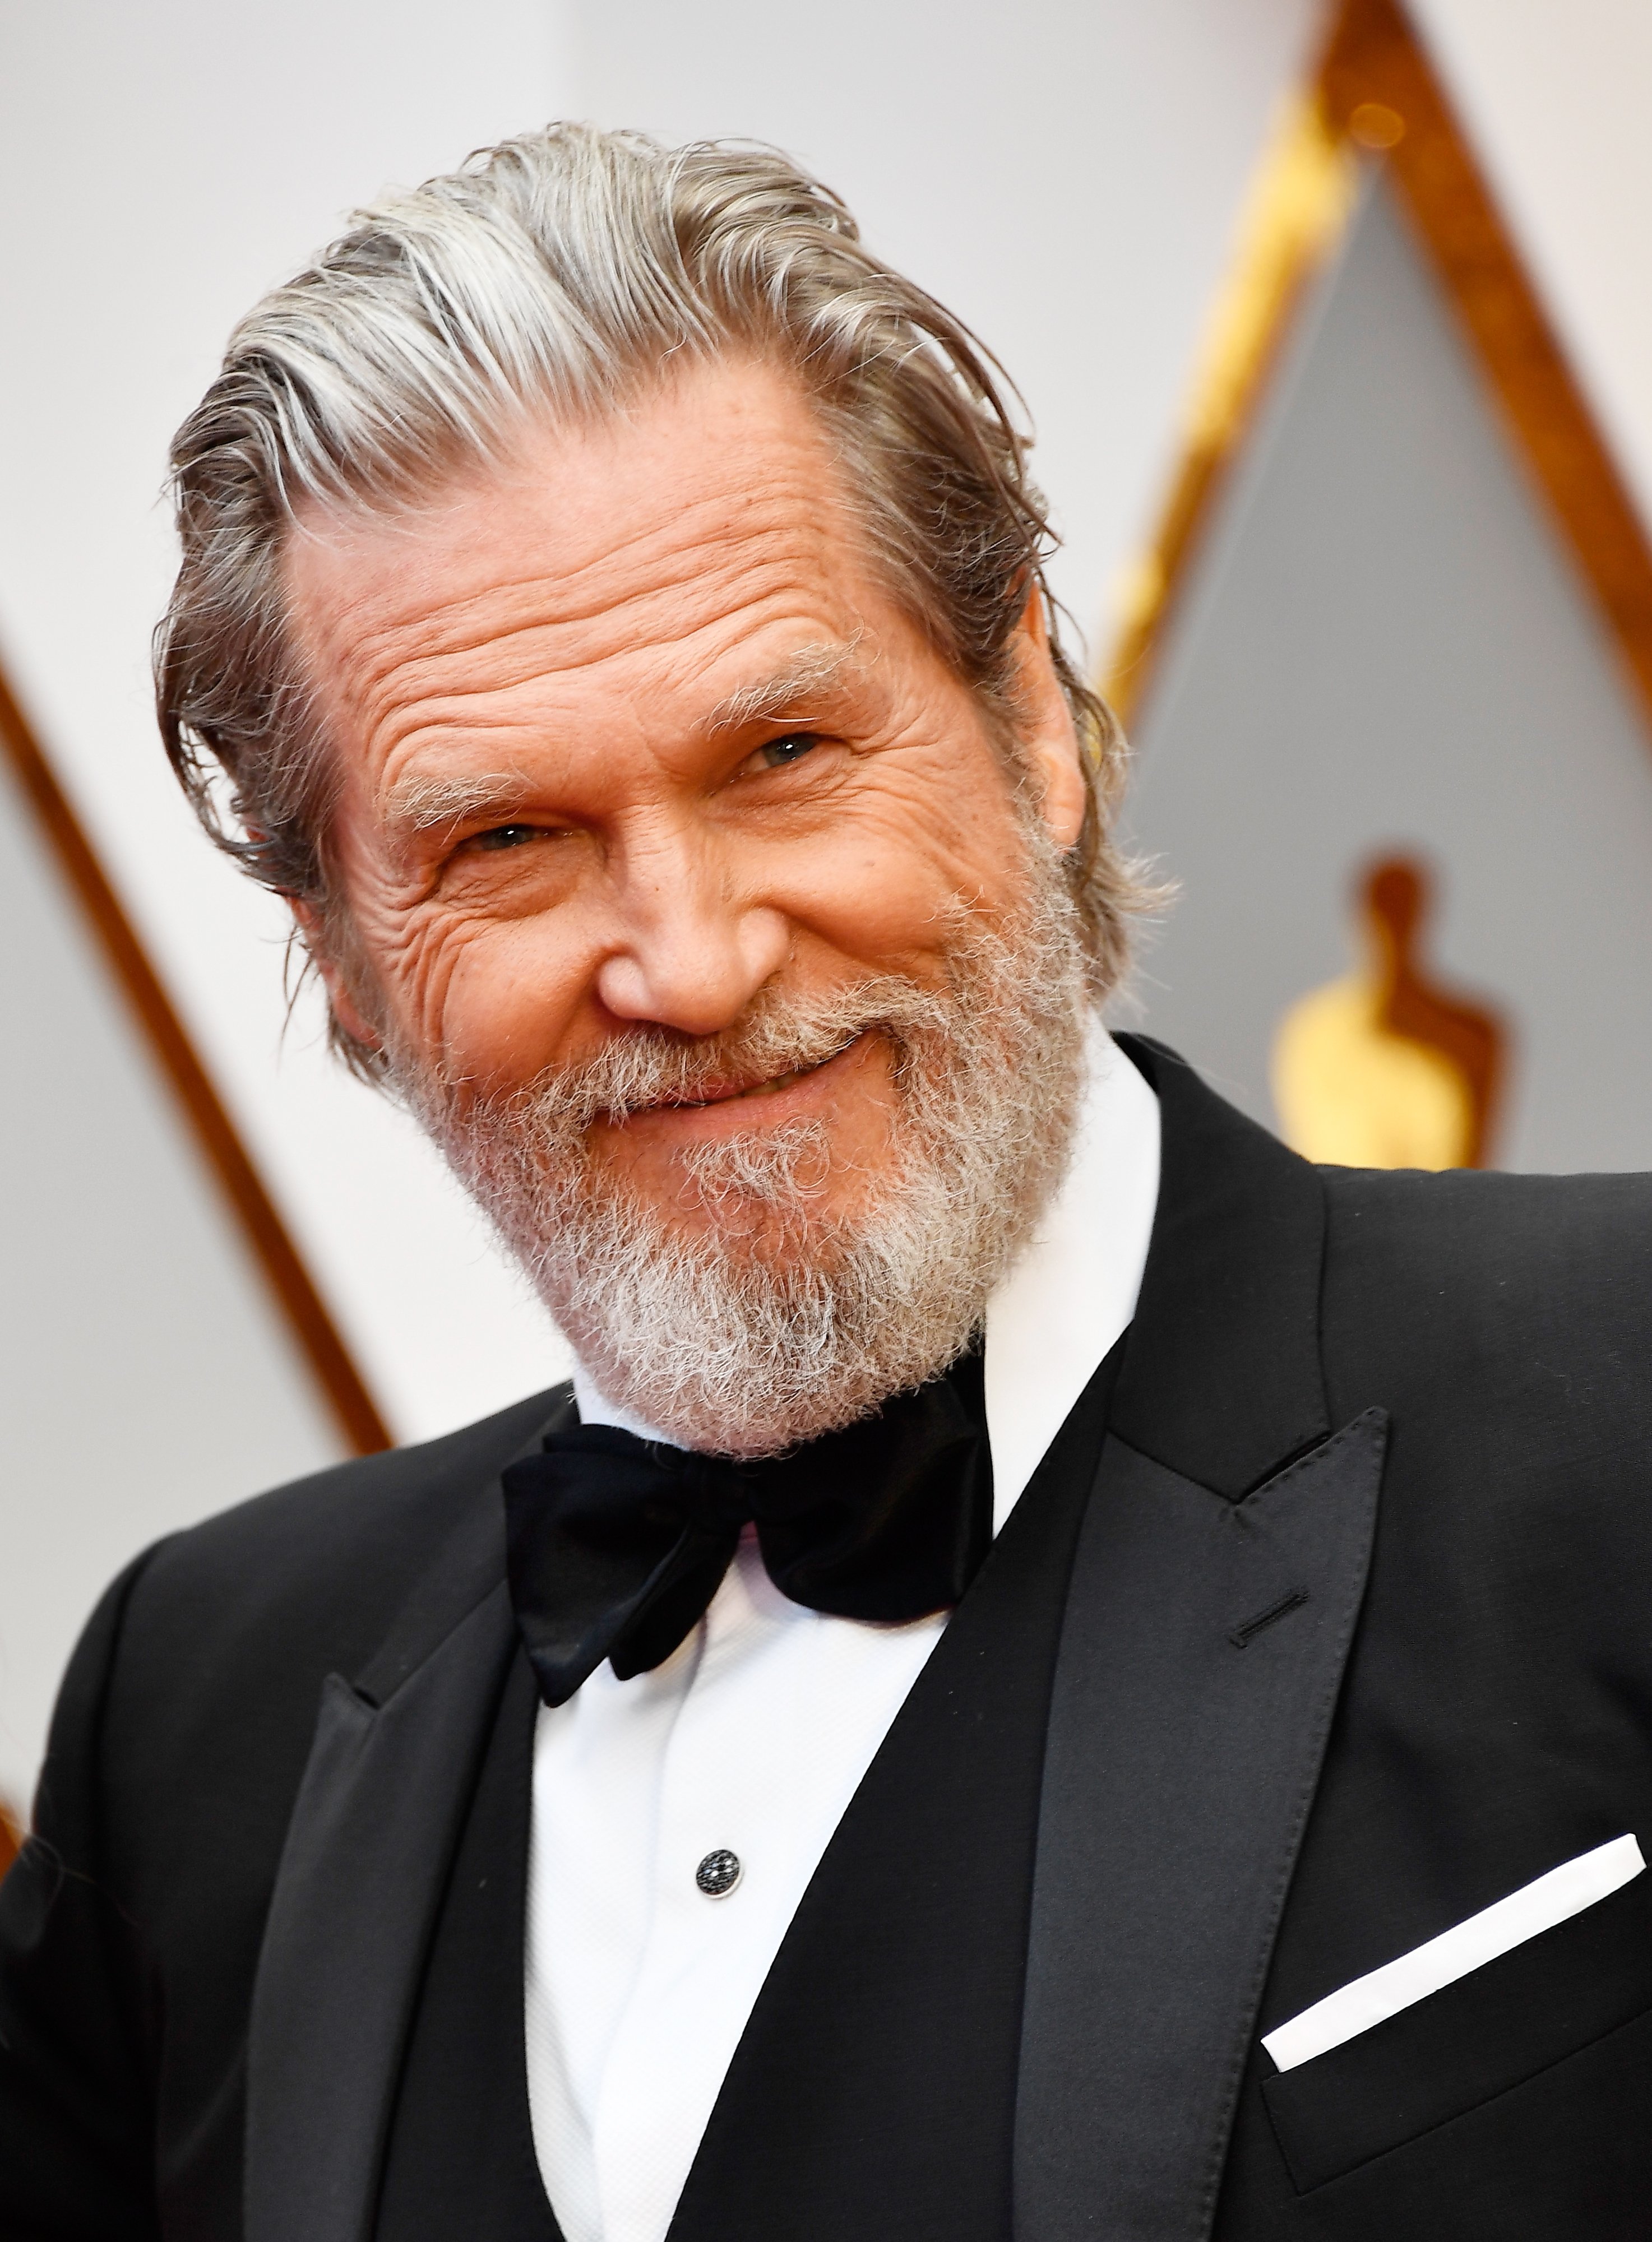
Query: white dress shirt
753	1737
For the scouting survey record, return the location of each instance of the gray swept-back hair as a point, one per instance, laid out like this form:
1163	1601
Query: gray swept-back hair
550	280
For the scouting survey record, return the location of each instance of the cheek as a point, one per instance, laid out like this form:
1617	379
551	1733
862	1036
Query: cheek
490	999
885	875
505	996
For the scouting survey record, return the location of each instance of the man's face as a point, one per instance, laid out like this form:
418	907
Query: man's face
631	737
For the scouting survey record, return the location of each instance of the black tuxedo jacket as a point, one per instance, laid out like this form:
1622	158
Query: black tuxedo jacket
1329	1624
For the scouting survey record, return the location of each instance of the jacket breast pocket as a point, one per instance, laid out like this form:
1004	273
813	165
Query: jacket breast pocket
1499	2026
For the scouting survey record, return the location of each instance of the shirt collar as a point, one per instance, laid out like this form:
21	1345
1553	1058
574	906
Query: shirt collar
1072	1291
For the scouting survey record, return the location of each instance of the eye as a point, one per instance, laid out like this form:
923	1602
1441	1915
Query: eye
775	755
505	837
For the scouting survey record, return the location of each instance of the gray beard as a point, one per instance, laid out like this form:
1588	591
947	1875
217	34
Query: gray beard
764	1319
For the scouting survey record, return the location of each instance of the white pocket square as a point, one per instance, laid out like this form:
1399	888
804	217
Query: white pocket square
1508	1922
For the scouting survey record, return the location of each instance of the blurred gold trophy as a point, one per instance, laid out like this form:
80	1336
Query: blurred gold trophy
1385	1069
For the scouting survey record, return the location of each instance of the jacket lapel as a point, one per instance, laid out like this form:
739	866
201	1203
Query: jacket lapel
1214	1596
378	1816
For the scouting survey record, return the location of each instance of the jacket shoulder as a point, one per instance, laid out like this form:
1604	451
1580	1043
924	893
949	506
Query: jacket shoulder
189	1706
1529	1294
328	1560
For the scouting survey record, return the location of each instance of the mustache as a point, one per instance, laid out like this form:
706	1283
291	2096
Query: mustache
782	1033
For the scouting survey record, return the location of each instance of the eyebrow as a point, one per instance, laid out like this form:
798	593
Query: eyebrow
812	671
424	803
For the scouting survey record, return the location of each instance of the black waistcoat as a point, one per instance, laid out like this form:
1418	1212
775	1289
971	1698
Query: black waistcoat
873	2090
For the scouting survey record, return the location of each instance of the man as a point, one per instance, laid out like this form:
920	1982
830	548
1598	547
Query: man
963	1722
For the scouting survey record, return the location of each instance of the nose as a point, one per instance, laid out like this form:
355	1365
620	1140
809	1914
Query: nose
690	951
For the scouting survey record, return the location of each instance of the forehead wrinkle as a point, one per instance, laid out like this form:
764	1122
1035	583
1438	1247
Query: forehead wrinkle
412	661
417	729
584	590
405	703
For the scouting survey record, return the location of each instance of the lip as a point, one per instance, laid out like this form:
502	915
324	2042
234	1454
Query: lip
725	1093
724	1108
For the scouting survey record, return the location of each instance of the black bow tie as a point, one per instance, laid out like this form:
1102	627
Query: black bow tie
616	1544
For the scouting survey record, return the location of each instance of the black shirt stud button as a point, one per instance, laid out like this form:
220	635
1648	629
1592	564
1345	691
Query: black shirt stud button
718	1874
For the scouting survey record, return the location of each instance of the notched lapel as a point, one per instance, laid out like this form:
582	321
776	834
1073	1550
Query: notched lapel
1201	1658
361	1880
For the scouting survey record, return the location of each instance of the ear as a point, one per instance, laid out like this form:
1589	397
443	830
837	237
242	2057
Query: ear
1049	740
346	1011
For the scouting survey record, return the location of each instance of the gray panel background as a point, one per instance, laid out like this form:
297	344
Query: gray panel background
1384	645
145	1378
